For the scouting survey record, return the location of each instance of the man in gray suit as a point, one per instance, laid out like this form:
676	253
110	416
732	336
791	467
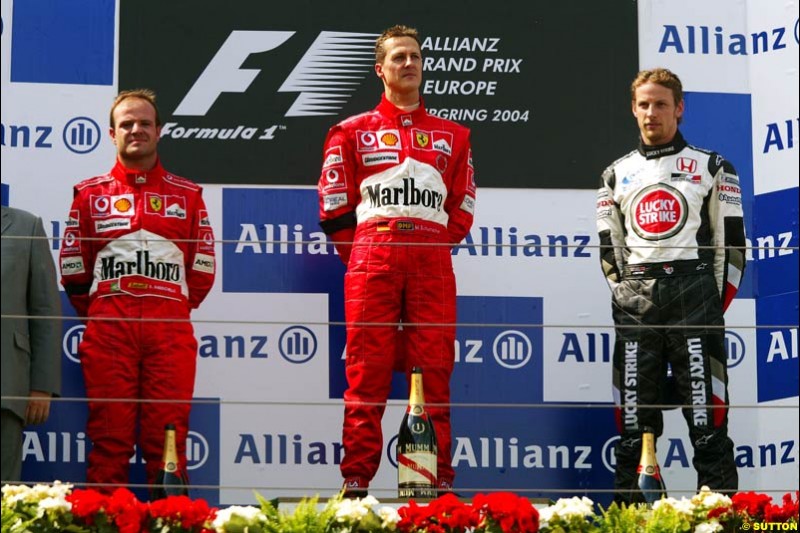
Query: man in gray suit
31	355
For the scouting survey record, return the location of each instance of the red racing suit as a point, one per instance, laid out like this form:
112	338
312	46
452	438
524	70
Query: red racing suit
137	245
397	190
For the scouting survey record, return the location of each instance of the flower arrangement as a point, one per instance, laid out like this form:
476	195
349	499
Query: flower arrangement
706	512
57	507
492	513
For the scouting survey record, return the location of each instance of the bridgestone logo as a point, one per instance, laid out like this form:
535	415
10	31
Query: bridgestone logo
110	225
113	269
380	159
406	195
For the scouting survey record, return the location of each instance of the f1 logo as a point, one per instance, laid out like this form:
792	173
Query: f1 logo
323	90
223	73
687	164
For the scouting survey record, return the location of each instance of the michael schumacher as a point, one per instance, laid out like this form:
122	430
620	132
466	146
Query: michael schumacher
136	258
670	221
396	192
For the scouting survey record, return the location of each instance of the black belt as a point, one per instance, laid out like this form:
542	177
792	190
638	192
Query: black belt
669	269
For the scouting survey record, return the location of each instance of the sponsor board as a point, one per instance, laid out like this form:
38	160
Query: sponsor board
51	42
732	112
773	249
777	347
246	93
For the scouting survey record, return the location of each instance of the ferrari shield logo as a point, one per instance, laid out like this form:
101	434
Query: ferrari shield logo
155	203
422	139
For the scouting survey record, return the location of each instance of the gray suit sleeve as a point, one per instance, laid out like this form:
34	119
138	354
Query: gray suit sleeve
44	301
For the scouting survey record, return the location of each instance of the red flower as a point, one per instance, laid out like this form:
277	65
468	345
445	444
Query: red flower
751	503
504	510
180	510
126	511
718	512
442	515
784	513
86	504
512	513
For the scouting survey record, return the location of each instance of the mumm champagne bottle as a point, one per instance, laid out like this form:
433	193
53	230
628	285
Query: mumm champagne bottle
650	482
416	446
169	481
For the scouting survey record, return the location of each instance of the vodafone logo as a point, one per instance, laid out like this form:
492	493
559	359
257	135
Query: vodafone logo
368	139
101	204
659	212
332	176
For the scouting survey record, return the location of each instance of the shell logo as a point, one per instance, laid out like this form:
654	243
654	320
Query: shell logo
389	139
122	205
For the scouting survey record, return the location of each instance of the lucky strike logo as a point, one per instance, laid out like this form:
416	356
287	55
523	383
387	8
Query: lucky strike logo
659	212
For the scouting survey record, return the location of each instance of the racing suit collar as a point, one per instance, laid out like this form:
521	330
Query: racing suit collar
654	152
135	177
407	118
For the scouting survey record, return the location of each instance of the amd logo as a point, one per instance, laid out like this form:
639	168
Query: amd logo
324	86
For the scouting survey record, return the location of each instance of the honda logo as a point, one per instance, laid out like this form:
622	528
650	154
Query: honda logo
686	164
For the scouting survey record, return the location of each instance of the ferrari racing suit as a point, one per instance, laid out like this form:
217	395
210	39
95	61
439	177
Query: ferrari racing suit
137	256
396	192
672	249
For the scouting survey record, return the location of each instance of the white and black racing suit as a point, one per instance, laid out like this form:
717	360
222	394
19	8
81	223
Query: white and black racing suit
672	249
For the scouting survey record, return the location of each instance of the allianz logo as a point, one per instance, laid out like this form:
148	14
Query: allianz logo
675	453
469	452
598	347
485	241
510	241
716	40
770	246
279	239
296	344
80	135
510	452
72	447
511	349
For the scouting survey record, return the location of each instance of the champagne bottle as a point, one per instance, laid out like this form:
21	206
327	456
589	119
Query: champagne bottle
416	446
650	482
169	481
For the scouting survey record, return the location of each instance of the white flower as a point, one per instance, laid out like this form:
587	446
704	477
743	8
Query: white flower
13	494
252	515
389	517
682	506
708	527
351	510
710	500
53	505
566	508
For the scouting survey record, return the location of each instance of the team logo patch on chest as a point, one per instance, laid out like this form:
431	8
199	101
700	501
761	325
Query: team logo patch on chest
658	212
371	141
165	205
155	203
103	206
440	141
